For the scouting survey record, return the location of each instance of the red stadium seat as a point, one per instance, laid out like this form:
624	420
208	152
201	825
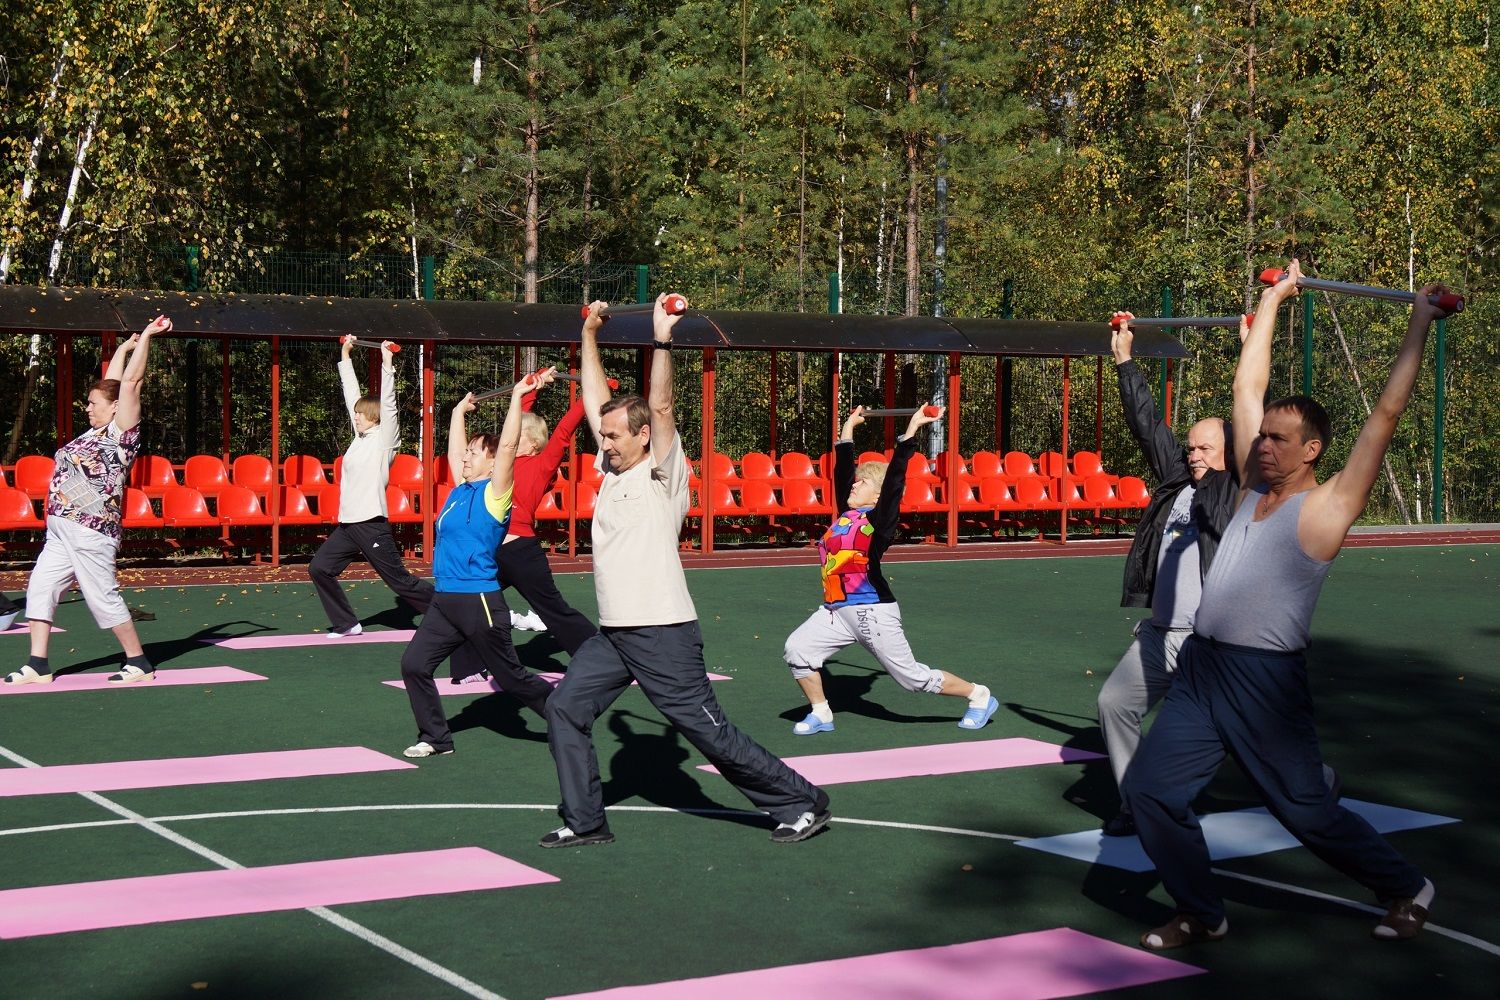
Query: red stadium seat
206	474
292	507
34	475
306	473
985	464
1018	463
328	504
548	508
800	496
398	508
871	456
723	469
406	472
759	466
1132	492
1052	464
795	465
182	507
725	502
16	512
153	475
586	471
997	493
240	507
1087	463
919	499
1032	493
759	499
137	512
587	495
254	473
440	496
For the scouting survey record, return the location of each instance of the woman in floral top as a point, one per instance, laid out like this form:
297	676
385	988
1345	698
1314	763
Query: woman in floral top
83	516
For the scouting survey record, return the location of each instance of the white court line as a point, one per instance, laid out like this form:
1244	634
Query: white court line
385	944
1458	936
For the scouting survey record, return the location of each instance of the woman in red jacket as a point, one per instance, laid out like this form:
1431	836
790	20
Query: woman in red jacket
523	563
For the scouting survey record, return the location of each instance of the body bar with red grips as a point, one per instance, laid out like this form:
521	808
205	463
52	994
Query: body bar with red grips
675	306
1449	302
930	411
560	376
351	338
1166	322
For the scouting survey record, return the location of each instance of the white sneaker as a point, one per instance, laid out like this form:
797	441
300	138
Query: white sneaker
528	622
26	675
424	749
354	629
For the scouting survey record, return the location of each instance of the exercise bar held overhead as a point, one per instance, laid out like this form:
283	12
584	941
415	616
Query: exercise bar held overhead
930	411
675	305
482	397
352	339
1166	322
1450	302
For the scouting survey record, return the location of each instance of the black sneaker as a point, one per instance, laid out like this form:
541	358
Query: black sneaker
1122	825
564	837
806	826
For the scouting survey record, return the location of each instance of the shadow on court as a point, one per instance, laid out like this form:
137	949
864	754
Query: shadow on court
652	763
161	652
1401	731
849	690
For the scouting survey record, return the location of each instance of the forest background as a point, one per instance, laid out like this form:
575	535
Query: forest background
1050	159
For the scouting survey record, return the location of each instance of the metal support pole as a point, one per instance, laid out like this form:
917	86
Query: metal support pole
950	488
888	376
430	456
1067	394
63	398
1098	404
1307	343
1166	310
775	398
707	451
1439	413
275	498
225	398
194	399
1005	374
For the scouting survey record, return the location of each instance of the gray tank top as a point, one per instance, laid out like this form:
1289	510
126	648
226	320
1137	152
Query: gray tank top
1262	588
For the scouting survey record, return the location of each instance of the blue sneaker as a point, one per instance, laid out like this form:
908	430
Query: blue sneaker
975	718
810	725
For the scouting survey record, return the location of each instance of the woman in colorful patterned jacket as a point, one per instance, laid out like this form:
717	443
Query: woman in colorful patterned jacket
84	503
858	606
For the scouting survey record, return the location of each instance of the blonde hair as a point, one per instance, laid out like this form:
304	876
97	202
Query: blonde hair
534	428
369	408
872	473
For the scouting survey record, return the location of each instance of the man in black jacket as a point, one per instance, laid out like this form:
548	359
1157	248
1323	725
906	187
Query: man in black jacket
1174	544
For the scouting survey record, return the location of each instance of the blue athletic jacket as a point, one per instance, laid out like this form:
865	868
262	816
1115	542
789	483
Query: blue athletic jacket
470	528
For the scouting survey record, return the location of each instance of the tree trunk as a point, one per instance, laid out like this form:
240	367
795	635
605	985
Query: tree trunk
533	150
33	158
65	218
913	178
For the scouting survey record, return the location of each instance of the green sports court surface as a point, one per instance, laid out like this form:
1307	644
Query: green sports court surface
1405	665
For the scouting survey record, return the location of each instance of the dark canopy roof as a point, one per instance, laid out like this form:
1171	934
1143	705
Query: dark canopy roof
89	310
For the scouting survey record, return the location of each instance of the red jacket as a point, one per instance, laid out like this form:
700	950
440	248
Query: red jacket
533	474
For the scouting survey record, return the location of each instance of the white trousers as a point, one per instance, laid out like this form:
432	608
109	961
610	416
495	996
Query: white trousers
73	552
876	627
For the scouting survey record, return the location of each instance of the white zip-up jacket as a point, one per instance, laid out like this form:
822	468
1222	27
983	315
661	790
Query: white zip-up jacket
367	463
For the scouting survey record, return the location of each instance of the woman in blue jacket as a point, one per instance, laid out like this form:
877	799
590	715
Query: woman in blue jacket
468	606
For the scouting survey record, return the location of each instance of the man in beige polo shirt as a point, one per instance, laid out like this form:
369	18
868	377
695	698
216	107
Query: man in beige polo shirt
648	627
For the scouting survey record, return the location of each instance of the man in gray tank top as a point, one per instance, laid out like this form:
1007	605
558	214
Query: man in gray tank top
1241	685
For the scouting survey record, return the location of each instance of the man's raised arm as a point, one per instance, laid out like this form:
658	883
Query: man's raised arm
1339	502
591	368
1253	374
663	421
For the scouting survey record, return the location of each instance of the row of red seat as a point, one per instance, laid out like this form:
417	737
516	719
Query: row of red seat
213	495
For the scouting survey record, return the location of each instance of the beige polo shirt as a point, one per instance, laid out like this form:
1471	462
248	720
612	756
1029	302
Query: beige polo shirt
638	576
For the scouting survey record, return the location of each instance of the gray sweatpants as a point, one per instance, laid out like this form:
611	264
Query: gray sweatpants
1137	683
667	662
876	627
73	552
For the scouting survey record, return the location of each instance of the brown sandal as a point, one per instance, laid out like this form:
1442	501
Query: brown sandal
1181	930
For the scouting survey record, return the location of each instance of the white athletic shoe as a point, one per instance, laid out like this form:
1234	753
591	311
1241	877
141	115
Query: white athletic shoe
7	620
528	622
26	675
424	749
354	629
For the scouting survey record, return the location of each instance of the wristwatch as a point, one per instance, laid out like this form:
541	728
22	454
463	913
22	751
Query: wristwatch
661	345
